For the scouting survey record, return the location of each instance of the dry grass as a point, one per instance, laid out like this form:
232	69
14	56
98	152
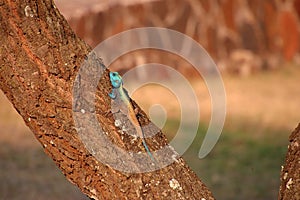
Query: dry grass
269	100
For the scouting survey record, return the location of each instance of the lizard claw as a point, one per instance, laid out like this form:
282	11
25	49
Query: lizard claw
107	113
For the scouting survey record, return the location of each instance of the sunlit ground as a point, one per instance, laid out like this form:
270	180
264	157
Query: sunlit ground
262	110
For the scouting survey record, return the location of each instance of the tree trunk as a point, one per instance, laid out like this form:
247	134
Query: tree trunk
290	172
40	58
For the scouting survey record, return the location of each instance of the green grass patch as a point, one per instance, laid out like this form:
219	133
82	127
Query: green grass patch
242	165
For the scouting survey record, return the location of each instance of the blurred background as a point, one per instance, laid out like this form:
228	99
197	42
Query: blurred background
254	43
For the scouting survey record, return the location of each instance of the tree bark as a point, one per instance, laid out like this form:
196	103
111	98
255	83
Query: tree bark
290	172
40	58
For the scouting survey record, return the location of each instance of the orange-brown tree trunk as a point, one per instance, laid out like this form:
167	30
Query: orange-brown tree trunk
40	57
290	172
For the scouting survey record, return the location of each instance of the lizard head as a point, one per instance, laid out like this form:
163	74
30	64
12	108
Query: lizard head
115	79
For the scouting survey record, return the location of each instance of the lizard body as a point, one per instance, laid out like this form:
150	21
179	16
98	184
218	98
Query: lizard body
117	84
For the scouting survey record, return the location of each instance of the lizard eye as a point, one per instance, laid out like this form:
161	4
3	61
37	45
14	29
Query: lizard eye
114	73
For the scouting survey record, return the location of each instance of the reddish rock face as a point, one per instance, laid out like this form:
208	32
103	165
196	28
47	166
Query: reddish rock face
249	37
266	29
297	7
270	26
228	7
288	29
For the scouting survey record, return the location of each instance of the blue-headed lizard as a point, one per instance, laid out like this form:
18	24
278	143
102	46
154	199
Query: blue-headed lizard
117	84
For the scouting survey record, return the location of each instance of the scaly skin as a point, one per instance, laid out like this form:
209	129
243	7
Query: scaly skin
117	84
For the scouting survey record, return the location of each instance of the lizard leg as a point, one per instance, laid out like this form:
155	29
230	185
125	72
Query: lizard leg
112	94
107	113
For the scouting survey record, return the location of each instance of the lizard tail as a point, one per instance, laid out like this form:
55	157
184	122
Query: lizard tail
148	151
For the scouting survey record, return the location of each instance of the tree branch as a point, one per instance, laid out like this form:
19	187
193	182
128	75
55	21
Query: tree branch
40	58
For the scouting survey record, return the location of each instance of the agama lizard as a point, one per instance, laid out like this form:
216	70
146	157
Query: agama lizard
117	84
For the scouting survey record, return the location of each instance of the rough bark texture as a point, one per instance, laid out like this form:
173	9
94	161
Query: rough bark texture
40	56
290	173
